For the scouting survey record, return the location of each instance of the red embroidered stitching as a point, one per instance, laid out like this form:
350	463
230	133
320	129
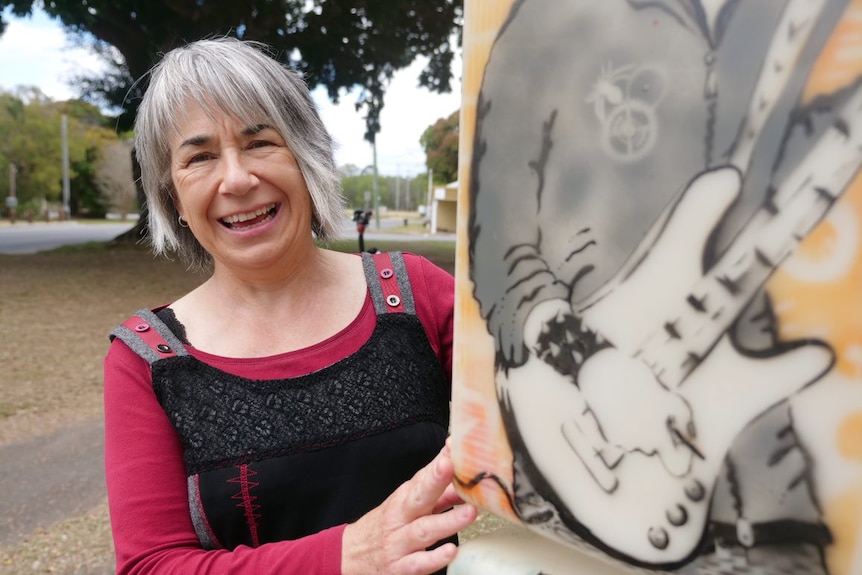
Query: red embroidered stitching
247	501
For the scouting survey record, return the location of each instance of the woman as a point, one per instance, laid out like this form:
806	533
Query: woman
281	417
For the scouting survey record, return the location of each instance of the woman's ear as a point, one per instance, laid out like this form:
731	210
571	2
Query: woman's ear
178	206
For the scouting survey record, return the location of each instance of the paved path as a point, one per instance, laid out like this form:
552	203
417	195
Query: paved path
24	238
50	478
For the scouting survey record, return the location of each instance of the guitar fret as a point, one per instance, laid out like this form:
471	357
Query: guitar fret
772	234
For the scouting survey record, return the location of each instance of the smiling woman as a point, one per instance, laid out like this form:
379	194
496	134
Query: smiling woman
235	183
290	413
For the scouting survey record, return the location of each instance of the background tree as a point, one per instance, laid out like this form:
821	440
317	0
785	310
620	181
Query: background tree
440	142
85	198
114	177
355	188
339	44
31	139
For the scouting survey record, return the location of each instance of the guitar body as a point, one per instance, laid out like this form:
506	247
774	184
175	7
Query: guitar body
658	328
639	504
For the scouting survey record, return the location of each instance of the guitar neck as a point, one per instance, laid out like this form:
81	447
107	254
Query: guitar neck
767	239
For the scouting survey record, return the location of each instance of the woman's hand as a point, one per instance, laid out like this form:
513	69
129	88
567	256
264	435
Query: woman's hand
392	538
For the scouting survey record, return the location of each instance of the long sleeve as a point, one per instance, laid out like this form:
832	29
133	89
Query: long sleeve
147	493
434	294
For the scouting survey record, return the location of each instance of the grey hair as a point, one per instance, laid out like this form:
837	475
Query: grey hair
243	80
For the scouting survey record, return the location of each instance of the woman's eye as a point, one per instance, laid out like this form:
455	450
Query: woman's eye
200	158
260	144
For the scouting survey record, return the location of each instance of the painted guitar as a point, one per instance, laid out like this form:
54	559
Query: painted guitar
632	444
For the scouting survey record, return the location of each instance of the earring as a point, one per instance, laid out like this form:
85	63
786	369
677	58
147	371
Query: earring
182	222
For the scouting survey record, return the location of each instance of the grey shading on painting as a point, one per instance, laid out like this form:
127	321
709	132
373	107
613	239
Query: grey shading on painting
640	170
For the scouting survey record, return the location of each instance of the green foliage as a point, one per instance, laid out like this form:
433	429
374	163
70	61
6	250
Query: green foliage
31	140
395	193
440	142
87	200
336	44
355	189
441	253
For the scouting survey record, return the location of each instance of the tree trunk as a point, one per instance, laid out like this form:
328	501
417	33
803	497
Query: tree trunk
136	233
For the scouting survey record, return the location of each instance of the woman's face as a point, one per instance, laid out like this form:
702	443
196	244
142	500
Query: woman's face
240	190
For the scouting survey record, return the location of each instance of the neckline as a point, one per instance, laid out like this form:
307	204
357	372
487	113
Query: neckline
334	340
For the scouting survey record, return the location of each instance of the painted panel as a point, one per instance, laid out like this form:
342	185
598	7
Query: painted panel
658	325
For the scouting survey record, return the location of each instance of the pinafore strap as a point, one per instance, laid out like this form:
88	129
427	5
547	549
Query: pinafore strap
388	283
149	337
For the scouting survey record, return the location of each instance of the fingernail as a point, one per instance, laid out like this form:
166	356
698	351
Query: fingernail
465	511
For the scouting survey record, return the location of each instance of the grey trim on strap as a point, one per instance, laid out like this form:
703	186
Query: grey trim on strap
140	346
373	282
136	344
169	337
400	269
198	520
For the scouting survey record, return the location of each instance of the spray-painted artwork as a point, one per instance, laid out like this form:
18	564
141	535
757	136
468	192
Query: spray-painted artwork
659	331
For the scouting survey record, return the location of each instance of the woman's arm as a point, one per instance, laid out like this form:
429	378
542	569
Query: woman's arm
434	296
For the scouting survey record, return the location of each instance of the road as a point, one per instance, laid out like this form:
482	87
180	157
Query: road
50	478
24	238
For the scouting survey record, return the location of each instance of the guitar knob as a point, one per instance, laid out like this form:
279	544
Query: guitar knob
695	491
658	537
744	532
677	516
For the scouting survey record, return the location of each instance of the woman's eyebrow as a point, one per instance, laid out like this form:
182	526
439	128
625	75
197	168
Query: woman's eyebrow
252	130
201	140
195	141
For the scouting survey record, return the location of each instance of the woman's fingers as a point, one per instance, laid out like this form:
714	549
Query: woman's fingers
428	530
450	498
426	561
394	538
424	490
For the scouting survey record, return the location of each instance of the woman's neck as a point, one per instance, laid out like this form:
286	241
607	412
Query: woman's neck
252	315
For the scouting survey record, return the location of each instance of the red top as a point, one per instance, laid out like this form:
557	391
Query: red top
146	477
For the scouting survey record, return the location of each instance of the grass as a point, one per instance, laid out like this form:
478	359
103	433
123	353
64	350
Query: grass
441	253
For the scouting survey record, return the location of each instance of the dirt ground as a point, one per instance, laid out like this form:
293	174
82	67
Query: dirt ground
56	310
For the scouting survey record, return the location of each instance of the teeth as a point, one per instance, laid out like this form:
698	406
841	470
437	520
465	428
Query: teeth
237	218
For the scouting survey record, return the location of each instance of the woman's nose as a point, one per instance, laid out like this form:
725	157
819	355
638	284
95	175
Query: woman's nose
236	177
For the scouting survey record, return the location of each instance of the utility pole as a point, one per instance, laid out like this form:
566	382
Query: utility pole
12	199
428	199
65	135
408	204
398	191
375	187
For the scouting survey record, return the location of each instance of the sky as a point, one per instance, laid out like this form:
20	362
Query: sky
34	51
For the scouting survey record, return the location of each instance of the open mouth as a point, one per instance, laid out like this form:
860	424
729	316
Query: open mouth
250	219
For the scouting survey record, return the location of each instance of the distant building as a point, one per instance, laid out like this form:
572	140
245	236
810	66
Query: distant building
444	208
